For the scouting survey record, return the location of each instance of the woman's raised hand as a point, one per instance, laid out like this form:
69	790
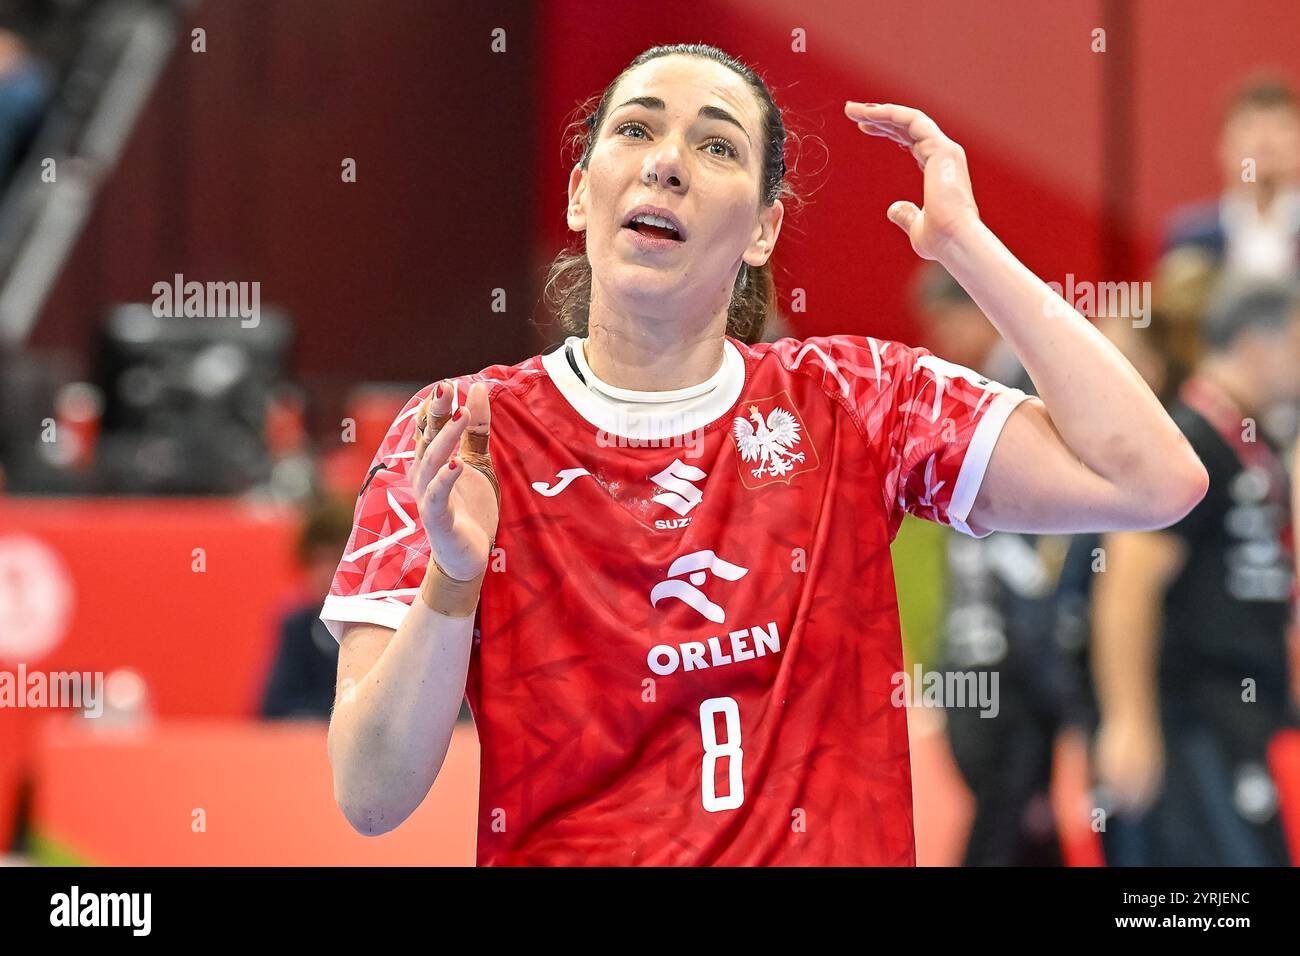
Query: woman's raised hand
949	200
451	476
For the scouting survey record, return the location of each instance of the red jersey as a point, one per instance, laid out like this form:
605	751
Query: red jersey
687	643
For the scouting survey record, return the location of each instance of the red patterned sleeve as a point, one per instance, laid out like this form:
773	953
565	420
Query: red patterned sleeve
931	425
379	574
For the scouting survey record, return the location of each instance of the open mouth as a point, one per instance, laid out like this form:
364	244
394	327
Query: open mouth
656	227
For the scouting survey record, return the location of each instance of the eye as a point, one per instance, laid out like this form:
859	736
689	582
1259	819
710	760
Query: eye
726	144
629	125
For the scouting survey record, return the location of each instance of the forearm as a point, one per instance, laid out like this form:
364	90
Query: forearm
1125	648
390	732
1103	410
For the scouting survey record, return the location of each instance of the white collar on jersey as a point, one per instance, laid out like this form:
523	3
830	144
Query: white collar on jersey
644	415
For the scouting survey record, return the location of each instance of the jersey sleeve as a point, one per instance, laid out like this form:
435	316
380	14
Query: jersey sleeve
931	426
379	574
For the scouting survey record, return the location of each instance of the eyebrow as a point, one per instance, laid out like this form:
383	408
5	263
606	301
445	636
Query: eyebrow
708	112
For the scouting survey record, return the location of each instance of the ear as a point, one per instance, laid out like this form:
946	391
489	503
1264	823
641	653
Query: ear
765	233
577	214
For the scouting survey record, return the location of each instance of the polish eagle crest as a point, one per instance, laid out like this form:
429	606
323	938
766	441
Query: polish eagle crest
768	442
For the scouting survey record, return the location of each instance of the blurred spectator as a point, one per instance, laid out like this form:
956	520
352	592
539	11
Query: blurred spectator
25	90
1183	283
1190	622
1164	351
1254	226
305	670
998	619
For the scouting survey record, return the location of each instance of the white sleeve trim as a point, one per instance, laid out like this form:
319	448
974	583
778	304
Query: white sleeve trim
977	458
383	609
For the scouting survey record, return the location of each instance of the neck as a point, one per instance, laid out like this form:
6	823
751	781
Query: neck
650	354
1261	194
1236	382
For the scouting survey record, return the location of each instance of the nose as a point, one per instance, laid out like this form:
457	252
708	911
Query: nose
663	164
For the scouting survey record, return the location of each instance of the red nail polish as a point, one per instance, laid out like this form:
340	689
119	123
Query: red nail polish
455	416
451	465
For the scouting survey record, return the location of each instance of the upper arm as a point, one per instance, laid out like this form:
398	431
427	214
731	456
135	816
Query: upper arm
1035	483
930	425
359	649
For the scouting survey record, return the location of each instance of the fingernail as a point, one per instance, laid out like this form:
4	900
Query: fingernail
451	465
455	416
437	390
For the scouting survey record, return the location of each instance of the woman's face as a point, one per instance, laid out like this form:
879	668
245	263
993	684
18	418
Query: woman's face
708	169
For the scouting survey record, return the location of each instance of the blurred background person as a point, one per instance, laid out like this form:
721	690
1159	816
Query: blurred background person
25	90
1189	652
303	675
998	620
1163	350
1254	226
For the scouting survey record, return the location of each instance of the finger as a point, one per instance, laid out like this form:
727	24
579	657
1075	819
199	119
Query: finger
436	506
903	214
911	123
442	398
475	445
855	110
894	135
433	412
441	445
475	440
440	408
889	133
421	428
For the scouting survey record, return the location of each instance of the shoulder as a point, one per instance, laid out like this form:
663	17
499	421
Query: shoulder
843	363
1194	224
500	379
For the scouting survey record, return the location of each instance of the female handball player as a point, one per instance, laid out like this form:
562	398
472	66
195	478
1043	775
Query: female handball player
656	559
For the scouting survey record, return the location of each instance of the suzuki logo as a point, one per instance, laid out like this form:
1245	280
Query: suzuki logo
680	495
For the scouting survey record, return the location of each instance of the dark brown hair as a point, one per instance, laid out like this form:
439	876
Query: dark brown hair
1261	91
753	299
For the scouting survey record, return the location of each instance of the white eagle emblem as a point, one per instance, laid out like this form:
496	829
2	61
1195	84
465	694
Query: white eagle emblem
768	442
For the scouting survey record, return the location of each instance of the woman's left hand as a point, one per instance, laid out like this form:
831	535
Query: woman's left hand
949	202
